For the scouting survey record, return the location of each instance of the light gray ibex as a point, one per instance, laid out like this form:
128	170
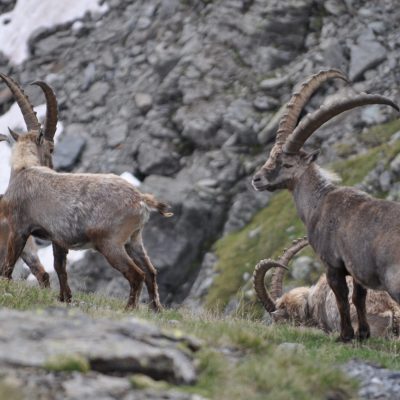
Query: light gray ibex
316	305
30	252
75	211
352	232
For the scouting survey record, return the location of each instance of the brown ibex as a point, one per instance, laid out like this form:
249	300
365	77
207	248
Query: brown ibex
316	305
75	211
352	232
29	253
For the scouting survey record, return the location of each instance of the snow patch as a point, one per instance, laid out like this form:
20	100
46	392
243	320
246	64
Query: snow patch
46	257
28	16
131	179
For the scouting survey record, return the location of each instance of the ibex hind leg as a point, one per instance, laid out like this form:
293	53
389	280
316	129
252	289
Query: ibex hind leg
60	266
32	261
359	298
15	246
117	256
337	281
137	252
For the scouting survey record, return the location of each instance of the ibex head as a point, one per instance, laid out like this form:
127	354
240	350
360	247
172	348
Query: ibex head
281	306
287	161
38	142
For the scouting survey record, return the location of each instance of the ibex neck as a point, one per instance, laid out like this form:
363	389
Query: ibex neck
309	191
23	156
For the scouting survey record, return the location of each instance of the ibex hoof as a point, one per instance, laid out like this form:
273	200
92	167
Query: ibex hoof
344	339
363	334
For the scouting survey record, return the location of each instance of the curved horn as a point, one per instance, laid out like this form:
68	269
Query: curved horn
51	110
314	120
284	259
300	98
24	104
258	282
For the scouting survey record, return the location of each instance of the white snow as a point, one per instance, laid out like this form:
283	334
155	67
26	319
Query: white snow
46	257
130	178
28	16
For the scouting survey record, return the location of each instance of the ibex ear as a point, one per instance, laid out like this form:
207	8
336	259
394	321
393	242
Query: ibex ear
4	138
40	138
13	134
311	157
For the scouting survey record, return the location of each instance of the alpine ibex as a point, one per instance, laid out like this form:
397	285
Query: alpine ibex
75	211
316	305
29	253
352	232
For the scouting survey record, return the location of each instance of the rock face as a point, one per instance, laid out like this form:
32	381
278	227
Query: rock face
187	95
33	343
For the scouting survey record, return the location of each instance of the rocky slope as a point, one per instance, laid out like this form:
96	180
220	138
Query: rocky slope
186	95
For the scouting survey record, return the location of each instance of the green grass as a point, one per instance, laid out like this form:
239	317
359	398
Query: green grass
67	363
278	223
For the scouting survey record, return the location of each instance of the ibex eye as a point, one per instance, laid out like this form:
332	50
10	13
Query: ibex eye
287	166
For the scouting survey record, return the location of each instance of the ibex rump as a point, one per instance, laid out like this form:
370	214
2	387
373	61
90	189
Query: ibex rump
352	232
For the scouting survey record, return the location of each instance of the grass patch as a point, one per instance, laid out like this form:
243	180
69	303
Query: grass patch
380	134
67	363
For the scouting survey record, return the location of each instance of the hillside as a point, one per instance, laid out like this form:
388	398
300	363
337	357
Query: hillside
182	98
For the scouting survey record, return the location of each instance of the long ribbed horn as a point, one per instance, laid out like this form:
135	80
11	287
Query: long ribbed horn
258	282
51	110
300	98
24	104
313	121
284	259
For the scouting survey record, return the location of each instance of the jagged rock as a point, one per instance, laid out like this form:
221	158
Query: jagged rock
125	346
98	92
243	208
68	151
157	158
303	267
366	54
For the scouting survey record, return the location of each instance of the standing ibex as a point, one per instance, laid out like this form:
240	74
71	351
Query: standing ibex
352	232
74	211
316	305
29	253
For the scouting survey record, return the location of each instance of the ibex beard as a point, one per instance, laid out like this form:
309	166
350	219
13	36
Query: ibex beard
352	233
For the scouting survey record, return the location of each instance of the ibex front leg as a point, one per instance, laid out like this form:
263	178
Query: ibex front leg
337	281
60	266
359	298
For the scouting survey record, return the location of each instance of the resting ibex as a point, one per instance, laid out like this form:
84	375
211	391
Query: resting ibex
29	253
75	211
352	232
316	305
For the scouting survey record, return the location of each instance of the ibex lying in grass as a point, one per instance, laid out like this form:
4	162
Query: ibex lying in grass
30	253
74	211
352	232
316	305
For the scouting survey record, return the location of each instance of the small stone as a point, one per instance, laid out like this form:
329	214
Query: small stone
144	102
116	133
